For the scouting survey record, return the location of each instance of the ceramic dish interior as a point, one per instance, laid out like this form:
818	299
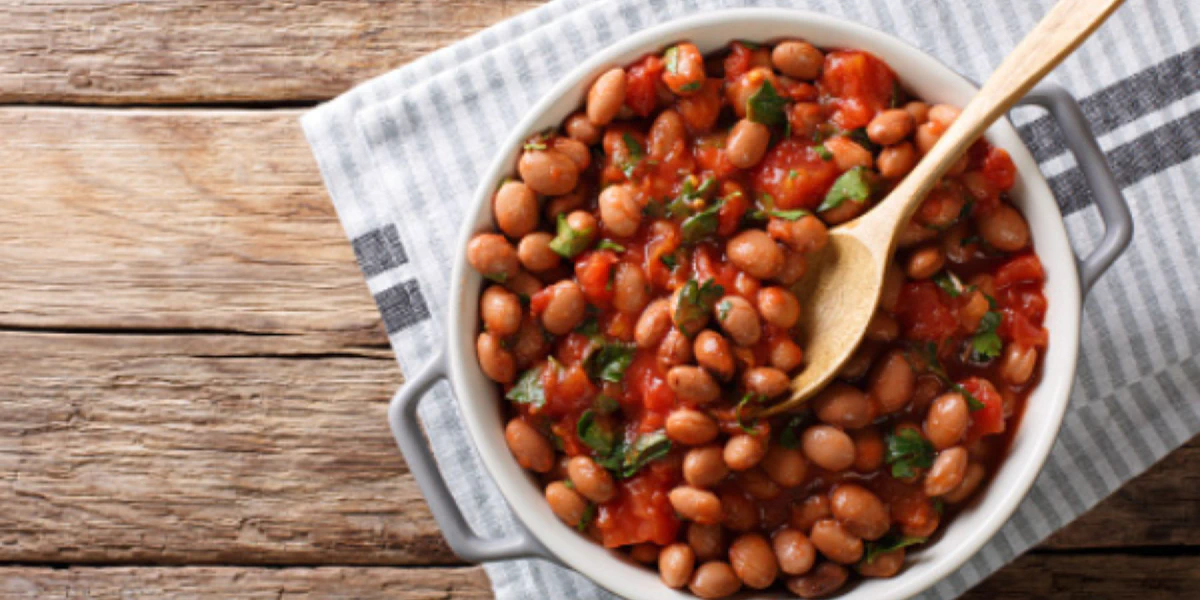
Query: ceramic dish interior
925	77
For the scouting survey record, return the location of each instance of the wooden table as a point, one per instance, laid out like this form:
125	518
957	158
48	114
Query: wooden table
194	378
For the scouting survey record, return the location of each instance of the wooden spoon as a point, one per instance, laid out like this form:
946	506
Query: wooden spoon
845	279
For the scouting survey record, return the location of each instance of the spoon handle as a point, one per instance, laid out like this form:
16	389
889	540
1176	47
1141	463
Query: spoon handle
1058	34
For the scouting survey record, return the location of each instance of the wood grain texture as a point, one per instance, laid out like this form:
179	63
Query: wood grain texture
1114	576
179	51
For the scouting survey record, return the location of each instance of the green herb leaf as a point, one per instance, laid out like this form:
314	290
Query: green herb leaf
792	174
907	451
789	215
749	45
986	343
496	277
748	399
669	261
695	302
590	325
766	106
950	283
929	354
852	185
535	145
606	405
593	435
789	437
823	152
569	243
690	87
610	245
859	136
891	541
609	361
898	95
646	449
700	225
636	154
671	59
528	389
589	513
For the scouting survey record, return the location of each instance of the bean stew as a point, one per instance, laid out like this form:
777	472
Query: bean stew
640	314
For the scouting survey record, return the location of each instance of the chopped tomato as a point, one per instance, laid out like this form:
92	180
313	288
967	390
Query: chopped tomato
711	156
998	167
740	60
641	511
641	87
664	240
1025	268
594	271
707	264
1018	328
924	314
539	301
989	419
794	175
729	217
646	384
859	85
1026	299
568	390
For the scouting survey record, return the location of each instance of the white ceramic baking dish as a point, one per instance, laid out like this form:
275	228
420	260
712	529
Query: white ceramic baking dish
480	403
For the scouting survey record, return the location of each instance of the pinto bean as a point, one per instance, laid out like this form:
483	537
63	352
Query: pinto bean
495	361
704	467
861	512
747	143
757	485
785	466
743	451
1018	363
714	579
535	254
566	503
890	126
741	513
579	127
768	381
919	111
842	405
971	480
893	281
645	553
530	343
806	234
927	135
653	324
868	449
947	421
693	385
707	541
695	504
619	210
858	364
566	309
515	207
807	513
665	134
754	252
739	320
892	382
1004	228
591	480
691	427
798	59
925	262
606	96
835	542
713	352
944	115
675	349
785	354
500	310
794	267
883	327
896	161
575	150
848	154
493	256
793	551
947	472
828	447
631	291
884	565
548	172
753	560
778	307
822	581
531	449
675	564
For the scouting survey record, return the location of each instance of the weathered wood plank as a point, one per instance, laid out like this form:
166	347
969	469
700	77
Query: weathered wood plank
180	583
178	51
1109	576
203	449
172	219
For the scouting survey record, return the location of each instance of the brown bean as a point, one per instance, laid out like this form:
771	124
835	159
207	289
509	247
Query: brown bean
548	172
493	256
754	252
619	210
943	205
848	154
496	362
1018	363
868	449
566	308
584	225
883	327
653	324
535	253
861	512
700	110
842	405
675	349
631	291
794	267
886	564
591	480
695	504
579	127
896	161
822	581
707	541
753	560
747	143
947	421
1004	228
740	512
606	96
785	466
704	467
947	472
693	385
892	382
843	212
768	381
714	579
807	513
739	320
665	134
944	115
798	59
927	135
739	91
828	447
562	205
925	262
530	344
500	310
515	207
859	362
712	351
785	354
893	281
575	150
743	451
684	318
835	542
531	449
806	234
691	427
675	564
778	307
971	480
919	111
793	551
566	503
890	126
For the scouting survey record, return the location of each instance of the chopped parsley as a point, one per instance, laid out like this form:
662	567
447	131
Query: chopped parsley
589	513
853	185
700	225
568	242
906	452
606	405
950	283
669	261
594	435
928	354
671	59
986	343
748	400
695	302
609	361
823	152
789	436
528	389
690	87
789	215
610	245
888	543
766	106
792	174
636	154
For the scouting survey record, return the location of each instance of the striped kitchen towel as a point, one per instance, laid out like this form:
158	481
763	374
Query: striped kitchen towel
402	154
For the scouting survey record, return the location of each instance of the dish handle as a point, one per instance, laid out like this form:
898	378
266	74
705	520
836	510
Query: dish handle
1118	222
406	428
